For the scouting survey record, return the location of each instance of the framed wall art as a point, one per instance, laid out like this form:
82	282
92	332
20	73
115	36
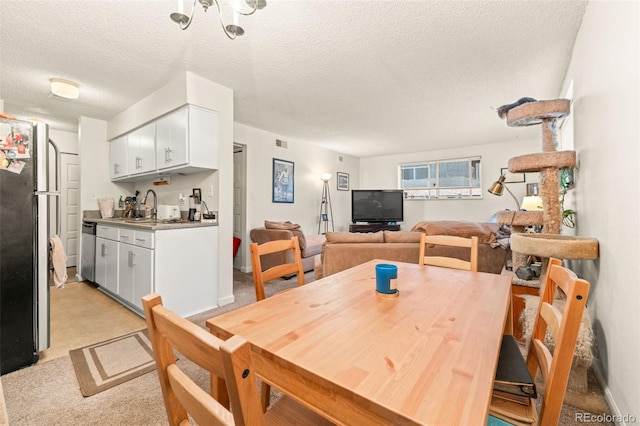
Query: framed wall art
282	181
512	177
343	181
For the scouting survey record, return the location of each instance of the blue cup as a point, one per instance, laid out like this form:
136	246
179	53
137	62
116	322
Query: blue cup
385	278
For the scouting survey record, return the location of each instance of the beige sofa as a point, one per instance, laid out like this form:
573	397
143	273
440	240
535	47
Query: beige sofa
343	250
310	245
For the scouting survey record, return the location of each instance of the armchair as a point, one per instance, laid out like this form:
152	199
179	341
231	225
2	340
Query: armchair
310	245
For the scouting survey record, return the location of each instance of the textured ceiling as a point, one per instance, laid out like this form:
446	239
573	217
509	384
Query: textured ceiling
360	77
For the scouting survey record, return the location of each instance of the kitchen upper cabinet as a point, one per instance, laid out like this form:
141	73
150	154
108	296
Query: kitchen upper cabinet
141	145
172	139
118	167
187	138
183	141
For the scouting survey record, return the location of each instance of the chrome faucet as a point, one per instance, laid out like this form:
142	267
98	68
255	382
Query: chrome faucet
154	209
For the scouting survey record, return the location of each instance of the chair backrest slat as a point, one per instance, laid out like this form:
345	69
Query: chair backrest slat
449	262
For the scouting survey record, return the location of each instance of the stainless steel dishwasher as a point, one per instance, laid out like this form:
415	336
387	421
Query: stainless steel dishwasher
88	256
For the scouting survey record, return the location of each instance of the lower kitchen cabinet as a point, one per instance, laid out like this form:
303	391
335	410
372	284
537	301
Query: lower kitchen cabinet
107	257
135	266
180	264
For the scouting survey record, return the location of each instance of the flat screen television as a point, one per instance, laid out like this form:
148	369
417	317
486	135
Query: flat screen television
377	205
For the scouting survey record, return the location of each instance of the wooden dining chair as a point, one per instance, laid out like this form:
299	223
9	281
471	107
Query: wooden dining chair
555	368
230	360
449	262
284	270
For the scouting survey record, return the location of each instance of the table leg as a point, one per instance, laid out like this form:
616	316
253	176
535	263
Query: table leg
219	391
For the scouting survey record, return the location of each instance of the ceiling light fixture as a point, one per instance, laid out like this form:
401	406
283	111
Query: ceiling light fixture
65	88
231	30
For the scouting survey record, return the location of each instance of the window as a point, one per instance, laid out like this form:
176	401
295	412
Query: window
445	179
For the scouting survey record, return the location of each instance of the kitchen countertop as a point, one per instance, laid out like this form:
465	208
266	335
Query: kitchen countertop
149	224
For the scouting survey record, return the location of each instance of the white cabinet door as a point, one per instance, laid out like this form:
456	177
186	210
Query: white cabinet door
107	264
143	274
126	271
171	139
118	164
142	149
136	265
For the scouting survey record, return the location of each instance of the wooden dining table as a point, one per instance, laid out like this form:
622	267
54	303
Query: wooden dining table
425	357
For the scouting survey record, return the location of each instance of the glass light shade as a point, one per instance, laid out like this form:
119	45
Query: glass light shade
326	177
532	203
65	88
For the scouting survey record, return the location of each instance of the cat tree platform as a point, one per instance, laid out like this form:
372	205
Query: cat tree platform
519	218
532	113
552	245
539	161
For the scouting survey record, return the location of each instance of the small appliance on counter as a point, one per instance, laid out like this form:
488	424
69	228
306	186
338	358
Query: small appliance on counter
166	211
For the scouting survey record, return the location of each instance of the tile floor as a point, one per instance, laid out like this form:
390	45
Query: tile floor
81	315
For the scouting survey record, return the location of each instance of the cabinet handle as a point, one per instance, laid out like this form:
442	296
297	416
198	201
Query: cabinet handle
169	151
131	254
102	250
166	155
115	168
142	240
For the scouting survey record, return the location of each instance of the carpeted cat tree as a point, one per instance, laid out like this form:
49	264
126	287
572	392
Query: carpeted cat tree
549	243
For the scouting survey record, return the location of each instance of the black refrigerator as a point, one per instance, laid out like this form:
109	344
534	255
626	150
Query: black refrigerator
25	200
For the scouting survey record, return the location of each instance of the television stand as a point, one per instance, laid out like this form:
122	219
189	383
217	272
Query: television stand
373	227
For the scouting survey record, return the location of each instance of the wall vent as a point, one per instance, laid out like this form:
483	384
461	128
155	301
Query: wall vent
281	143
340	159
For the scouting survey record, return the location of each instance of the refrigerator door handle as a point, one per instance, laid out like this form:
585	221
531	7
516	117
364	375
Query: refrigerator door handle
56	192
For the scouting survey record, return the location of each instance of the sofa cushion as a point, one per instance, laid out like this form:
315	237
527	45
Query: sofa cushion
355	237
483	231
314	245
401	236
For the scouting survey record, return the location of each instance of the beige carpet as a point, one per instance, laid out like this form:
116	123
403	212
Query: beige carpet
101	366
48	393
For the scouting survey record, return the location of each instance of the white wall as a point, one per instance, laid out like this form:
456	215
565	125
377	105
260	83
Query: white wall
382	173
94	152
310	162
605	68
66	141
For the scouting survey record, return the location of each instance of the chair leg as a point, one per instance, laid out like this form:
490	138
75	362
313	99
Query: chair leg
265	395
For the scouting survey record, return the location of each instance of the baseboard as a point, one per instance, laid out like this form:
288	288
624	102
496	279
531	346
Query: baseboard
226	300
246	269
616	416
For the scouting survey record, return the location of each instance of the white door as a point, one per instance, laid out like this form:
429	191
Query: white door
70	206
239	178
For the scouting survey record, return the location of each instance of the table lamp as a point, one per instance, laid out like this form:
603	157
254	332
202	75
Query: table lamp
531	203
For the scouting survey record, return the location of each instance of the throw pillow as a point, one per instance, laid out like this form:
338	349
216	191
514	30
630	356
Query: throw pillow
280	225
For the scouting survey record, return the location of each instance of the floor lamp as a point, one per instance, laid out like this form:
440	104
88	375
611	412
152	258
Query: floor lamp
326	214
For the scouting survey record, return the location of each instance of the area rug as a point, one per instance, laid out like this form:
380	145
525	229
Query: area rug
103	365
